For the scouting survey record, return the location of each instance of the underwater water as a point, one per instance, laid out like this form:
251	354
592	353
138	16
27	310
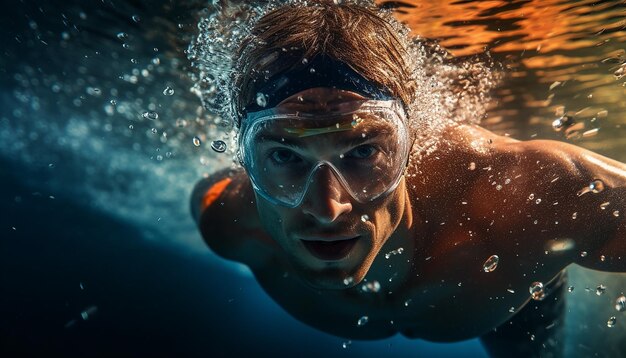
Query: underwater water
102	139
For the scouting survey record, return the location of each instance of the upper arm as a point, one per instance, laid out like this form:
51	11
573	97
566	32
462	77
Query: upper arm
595	218
224	210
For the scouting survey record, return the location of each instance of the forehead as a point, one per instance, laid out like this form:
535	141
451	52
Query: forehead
319	99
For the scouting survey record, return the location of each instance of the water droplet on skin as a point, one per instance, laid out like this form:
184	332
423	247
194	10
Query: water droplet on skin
154	130
348	280
218	146
132	60
616	213
113	102
136	18
196	141
583	254
131	127
168	91
312	70
261	100
531	196
536	291
365	218
373	286
538	201
126	46
574	216
570	289
512	309
159	158
603	206
122	35
611	322
151	115
600	290
602	258
595	187
620	303
491	264
532	337
498	187
362	321
472	166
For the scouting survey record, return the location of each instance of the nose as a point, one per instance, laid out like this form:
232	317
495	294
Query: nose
326	199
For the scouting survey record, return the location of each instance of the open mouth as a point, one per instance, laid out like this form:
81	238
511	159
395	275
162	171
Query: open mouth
330	250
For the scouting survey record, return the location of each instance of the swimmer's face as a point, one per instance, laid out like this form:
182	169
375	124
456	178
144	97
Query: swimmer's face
331	239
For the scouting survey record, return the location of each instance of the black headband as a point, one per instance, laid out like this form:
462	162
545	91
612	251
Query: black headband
322	71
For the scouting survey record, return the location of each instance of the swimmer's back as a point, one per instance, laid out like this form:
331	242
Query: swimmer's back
224	210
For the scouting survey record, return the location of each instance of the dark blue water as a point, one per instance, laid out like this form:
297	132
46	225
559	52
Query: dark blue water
59	259
98	252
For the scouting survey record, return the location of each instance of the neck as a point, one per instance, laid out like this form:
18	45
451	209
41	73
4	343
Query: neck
392	266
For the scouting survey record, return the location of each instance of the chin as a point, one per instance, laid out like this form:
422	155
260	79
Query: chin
333	277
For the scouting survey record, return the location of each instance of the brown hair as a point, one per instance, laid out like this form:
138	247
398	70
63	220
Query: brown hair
353	34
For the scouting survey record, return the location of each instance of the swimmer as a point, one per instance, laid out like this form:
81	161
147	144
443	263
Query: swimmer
352	236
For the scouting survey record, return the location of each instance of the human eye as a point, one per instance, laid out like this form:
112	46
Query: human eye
283	156
363	151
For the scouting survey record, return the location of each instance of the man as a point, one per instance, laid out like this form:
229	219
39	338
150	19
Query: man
354	231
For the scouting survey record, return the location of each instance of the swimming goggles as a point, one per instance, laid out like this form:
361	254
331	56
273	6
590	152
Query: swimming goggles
365	144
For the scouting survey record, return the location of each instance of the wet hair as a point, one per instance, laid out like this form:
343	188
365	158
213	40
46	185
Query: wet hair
292	35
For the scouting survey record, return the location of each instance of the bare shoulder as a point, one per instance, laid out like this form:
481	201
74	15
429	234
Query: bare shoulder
555	189
223	206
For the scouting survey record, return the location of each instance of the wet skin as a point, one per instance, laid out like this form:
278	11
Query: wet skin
476	195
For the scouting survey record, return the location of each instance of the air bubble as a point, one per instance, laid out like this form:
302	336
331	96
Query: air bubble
348	280
218	146
491	264
151	115
196	141
122	35
562	122
136	18
365	218
536	291
600	290
362	321
398	251
168	91
261	99
181	123
373	286
611	322
346	344
583	254
154	130
616	213
620	303
570	289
